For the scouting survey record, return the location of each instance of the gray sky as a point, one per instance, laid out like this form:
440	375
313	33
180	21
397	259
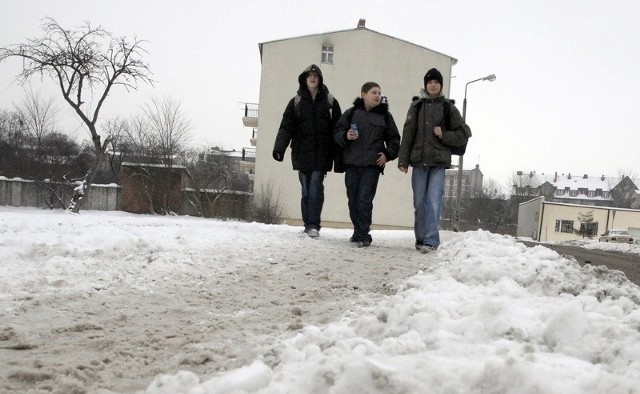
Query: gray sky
565	98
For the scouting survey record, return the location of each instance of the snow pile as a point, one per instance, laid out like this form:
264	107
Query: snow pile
486	315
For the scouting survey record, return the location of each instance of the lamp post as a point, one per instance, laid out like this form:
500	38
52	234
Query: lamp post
489	78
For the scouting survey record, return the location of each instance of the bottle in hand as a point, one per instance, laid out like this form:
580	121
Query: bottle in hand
354	127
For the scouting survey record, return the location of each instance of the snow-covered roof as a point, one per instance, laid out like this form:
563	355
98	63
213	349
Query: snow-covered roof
568	181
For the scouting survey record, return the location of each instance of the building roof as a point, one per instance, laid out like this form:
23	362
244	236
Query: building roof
568	181
454	60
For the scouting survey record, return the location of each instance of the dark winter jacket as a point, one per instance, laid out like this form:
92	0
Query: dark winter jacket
377	133
420	146
311	132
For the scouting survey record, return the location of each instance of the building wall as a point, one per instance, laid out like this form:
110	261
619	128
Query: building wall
529	218
360	55
135	189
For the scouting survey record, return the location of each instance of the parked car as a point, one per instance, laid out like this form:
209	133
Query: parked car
616	236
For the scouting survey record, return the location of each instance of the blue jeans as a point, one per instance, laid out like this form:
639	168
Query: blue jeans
361	183
312	197
428	191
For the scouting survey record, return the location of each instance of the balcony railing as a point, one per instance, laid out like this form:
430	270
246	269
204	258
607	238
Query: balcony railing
251	110
249	154
250	118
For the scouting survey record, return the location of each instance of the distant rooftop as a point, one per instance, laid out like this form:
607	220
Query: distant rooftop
568	181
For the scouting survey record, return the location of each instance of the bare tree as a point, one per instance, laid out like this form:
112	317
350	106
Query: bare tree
141	143
12	139
169	129
523	184
155	138
86	63
38	115
117	129
210	170
487	209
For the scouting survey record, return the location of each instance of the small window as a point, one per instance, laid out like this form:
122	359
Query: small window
327	54
564	226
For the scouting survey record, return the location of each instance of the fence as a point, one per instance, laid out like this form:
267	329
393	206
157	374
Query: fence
18	192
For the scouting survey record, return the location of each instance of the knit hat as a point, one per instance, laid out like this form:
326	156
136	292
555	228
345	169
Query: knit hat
302	79
431	75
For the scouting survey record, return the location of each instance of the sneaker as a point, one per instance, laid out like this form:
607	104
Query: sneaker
424	249
313	233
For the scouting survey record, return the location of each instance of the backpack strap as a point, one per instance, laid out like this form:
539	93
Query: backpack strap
446	114
296	105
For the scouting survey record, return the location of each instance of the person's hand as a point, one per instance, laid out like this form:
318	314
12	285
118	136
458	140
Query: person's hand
351	135
382	159
438	131
403	169
278	156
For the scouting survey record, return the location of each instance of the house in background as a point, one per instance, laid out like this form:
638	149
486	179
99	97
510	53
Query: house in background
546	221
348	58
551	206
572	189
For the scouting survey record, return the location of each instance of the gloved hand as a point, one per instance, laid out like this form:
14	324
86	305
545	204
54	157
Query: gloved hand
278	156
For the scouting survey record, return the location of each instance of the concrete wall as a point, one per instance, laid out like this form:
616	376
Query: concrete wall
23	193
360	55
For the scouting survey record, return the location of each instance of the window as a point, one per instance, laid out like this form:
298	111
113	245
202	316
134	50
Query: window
327	54
564	226
573	193
559	192
605	194
592	193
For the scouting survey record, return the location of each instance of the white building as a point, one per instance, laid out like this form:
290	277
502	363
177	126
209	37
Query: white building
347	58
551	221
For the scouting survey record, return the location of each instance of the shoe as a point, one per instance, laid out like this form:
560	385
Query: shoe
418	245
424	249
313	233
364	243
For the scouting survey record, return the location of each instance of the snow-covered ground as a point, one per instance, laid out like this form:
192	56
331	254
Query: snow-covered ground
611	246
106	302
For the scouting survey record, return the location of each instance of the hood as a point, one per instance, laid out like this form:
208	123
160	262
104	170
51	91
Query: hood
381	108
302	78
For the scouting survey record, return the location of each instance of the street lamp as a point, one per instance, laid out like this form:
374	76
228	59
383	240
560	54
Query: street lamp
489	78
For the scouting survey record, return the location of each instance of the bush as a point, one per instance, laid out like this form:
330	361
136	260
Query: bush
268	206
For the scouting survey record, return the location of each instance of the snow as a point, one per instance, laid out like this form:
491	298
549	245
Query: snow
484	314
594	244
